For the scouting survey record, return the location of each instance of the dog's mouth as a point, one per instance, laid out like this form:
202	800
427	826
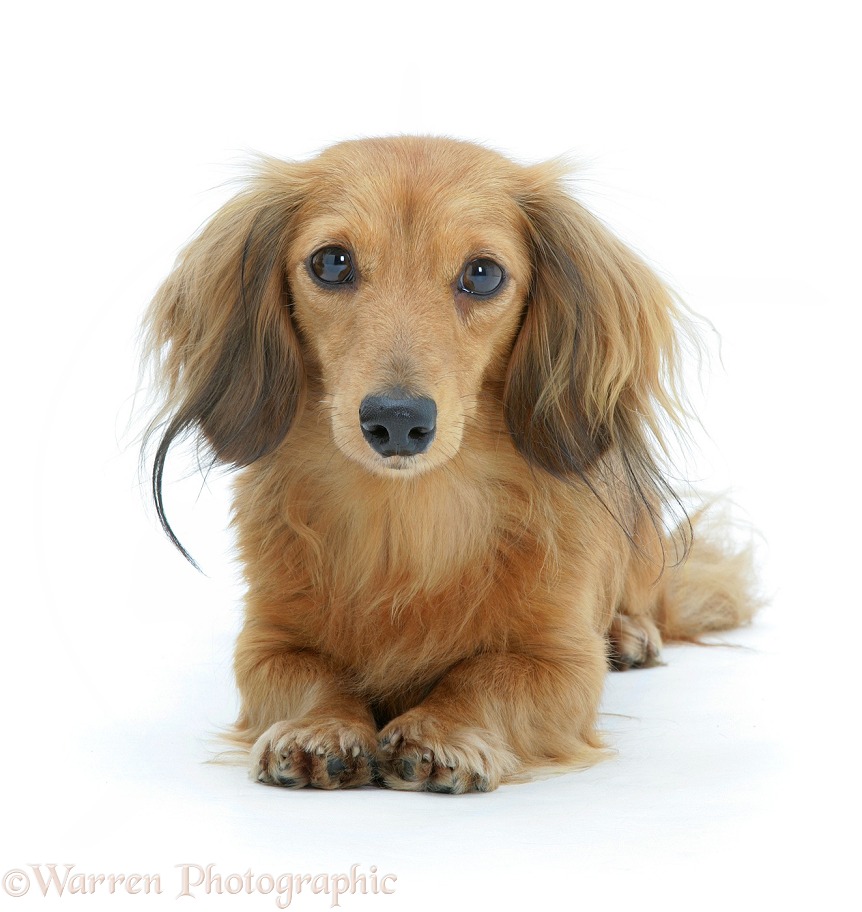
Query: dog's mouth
399	464
402	468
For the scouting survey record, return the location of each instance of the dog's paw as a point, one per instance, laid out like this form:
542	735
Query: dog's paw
416	753
634	643
326	754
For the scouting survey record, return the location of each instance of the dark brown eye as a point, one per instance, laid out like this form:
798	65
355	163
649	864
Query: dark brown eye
481	277
332	265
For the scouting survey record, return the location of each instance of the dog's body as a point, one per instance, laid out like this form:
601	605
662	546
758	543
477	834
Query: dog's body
446	383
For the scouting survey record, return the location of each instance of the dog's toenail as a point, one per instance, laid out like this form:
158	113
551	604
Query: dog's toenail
405	768
441	788
335	766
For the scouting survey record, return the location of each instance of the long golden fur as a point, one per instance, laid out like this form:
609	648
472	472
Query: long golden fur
438	620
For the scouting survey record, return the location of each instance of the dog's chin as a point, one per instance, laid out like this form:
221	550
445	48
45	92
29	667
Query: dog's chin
400	466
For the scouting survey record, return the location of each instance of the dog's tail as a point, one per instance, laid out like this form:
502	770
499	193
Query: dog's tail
714	588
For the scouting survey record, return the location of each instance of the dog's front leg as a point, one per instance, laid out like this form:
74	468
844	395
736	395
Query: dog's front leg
495	716
309	729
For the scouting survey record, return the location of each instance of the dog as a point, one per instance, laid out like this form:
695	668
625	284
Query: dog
448	389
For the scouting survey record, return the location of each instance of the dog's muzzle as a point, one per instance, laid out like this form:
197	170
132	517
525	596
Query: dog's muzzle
398	425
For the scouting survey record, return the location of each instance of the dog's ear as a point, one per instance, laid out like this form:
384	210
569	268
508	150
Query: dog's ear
219	332
594	365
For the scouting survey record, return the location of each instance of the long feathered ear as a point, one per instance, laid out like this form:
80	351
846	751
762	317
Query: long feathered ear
593	370
226	357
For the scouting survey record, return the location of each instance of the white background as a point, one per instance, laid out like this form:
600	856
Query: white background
721	141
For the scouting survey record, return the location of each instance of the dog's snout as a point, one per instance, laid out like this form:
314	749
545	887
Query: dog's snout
398	425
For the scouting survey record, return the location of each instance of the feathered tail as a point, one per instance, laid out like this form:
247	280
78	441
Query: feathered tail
714	587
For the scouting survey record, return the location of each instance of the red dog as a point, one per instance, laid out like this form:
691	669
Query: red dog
446	385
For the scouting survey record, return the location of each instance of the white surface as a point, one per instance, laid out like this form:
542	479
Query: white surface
722	144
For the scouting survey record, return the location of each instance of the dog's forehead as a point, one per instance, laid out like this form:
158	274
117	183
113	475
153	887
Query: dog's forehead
413	163
411	191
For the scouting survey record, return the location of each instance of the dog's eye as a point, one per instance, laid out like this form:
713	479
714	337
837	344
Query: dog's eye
481	277
332	265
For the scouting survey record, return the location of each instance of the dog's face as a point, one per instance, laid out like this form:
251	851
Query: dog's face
408	279
395	287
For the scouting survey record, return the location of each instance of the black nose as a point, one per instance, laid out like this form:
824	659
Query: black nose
398	425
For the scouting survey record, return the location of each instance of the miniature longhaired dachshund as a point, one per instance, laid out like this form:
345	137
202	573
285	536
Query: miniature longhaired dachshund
445	385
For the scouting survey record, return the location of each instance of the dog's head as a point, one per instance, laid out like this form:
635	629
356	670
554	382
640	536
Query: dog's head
392	283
